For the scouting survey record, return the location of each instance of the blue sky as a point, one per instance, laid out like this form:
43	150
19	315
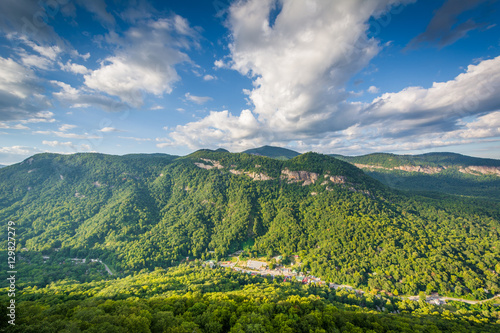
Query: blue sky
349	76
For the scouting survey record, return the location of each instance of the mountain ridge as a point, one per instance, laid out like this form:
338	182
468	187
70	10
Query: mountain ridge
135	212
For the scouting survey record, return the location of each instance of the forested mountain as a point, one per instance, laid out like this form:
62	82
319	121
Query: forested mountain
424	160
442	172
147	211
192	299
273	152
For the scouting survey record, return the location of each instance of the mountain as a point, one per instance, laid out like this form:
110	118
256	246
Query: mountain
148	211
440	172
2	166
273	152
438	160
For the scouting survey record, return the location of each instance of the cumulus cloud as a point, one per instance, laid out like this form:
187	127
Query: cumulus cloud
20	91
437	109
81	98
135	139
209	77
299	65
66	127
74	68
145	60
29	18
68	135
15	127
109	129
58	144
13	154
197	99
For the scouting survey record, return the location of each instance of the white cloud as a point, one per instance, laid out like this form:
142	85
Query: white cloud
299	66
109	129
18	150
20	90
81	98
219	64
197	99
216	128
66	127
373	90
16	127
58	144
156	107
74	68
209	77
35	61
40	117
66	135
134	138
438	108
145	60
299	91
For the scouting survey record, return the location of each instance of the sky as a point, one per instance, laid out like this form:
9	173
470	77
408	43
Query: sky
347	77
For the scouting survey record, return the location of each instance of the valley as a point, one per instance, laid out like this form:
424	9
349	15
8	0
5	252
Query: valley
313	221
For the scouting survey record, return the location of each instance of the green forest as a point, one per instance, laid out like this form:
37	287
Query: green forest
190	298
145	215
451	178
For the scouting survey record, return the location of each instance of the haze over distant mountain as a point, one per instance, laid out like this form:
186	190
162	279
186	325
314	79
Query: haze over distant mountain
440	172
273	152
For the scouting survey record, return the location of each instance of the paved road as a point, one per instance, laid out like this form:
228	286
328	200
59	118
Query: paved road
344	286
107	268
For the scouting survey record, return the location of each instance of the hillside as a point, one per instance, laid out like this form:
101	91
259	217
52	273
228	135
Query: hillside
147	211
190	298
441	172
273	152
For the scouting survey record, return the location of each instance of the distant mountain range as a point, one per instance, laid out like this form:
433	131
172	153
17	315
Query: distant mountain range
273	152
432	172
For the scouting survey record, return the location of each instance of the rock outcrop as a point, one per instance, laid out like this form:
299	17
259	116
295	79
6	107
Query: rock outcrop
472	170
214	164
484	170
418	168
299	176
253	175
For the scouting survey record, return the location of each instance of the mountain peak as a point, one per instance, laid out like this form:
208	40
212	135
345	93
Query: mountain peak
273	152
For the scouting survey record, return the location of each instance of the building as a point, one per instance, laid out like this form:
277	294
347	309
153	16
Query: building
253	264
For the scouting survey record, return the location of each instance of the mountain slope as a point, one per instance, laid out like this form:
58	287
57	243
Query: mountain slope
273	152
137	212
442	172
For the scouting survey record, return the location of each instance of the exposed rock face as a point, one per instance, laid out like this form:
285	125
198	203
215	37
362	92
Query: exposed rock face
214	164
253	175
299	176
407	168
366	166
472	170
338	179
258	176
418	168
485	170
